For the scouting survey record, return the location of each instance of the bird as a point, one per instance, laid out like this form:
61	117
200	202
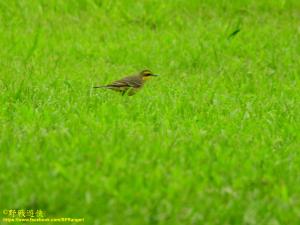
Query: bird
131	84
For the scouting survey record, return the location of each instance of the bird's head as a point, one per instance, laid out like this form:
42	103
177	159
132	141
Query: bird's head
147	74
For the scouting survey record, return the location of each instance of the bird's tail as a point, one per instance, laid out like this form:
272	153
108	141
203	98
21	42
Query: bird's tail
104	86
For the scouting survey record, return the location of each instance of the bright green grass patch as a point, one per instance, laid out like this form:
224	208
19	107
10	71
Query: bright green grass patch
213	140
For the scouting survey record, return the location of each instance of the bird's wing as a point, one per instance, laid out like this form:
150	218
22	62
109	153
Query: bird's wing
131	81
134	81
119	83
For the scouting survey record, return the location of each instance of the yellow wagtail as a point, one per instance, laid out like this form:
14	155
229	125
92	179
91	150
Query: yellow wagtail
131	84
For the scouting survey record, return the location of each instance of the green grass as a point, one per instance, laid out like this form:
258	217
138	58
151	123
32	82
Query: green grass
213	140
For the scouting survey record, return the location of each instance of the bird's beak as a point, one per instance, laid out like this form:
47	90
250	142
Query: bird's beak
155	75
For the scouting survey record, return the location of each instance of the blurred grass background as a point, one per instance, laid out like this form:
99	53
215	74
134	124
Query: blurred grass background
213	140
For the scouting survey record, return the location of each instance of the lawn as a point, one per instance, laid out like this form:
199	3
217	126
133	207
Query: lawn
214	140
